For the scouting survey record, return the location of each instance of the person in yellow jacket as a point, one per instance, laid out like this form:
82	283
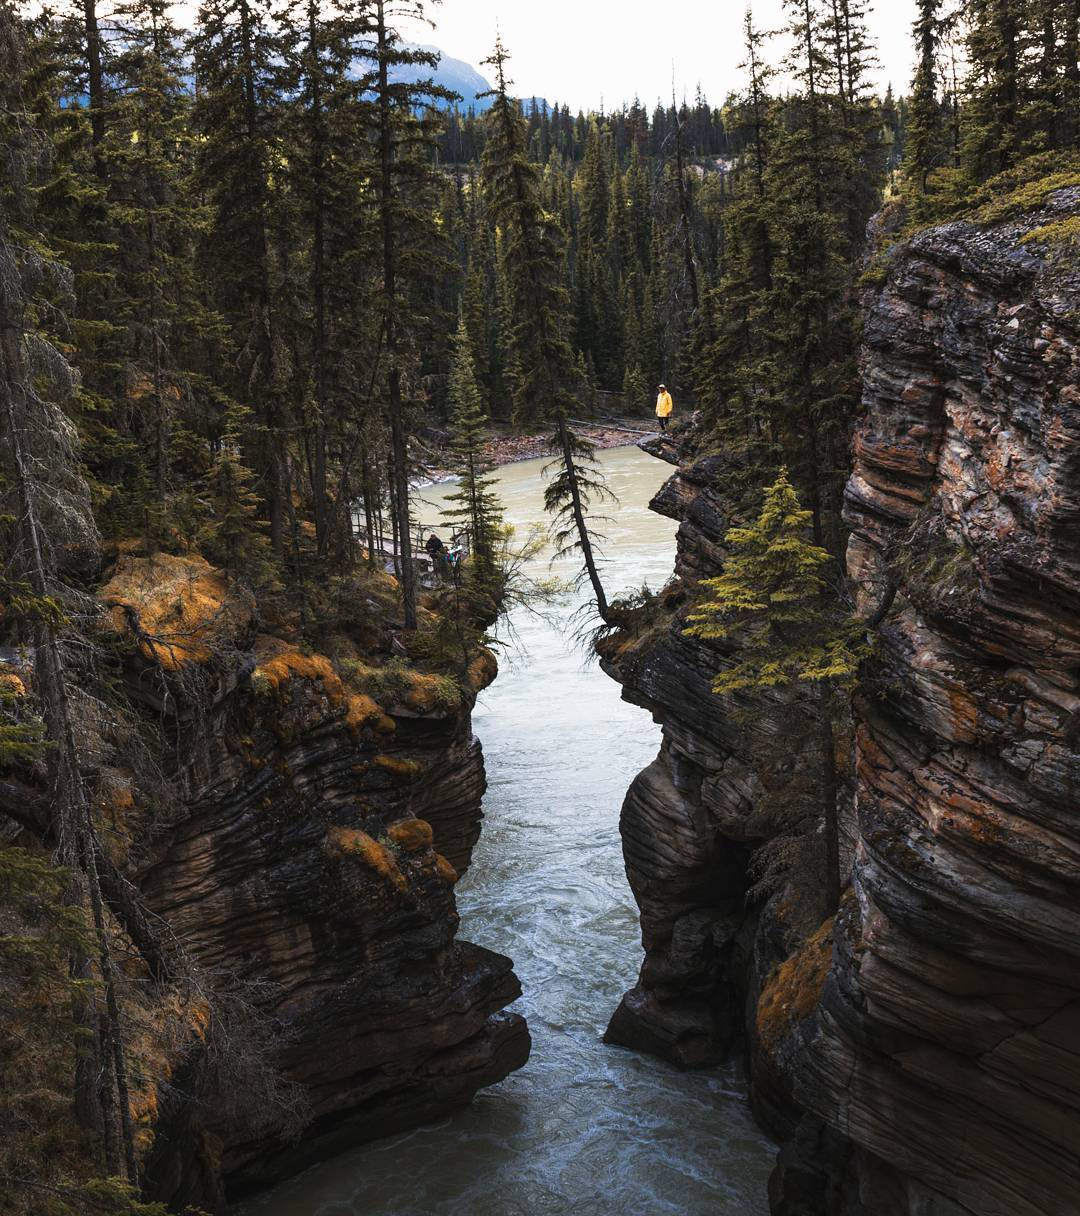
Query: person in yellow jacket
664	406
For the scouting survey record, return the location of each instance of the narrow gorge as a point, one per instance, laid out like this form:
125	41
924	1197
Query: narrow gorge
539	608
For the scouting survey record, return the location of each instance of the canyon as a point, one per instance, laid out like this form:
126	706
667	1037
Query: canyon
915	1052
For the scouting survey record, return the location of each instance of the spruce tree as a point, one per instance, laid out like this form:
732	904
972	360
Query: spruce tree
238	55
542	361
740	370
773	607
924	132
326	149
476	504
232	537
51	511
147	159
995	82
403	174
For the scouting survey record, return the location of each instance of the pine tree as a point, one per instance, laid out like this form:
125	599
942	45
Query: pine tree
993	137
326	146
542	361
403	174
476	504
51	510
811	201
773	607
146	158
238	55
925	144
740	373
232	537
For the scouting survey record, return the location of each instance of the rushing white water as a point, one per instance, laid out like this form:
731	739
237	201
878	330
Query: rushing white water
582	1129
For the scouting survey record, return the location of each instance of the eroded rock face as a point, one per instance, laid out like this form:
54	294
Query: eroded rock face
946	1052
688	819
919	1056
311	854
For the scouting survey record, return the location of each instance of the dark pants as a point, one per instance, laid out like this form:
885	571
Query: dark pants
663	424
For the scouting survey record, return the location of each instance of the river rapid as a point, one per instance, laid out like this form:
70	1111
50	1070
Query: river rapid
582	1128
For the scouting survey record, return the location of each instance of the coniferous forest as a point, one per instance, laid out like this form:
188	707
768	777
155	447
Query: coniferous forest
262	275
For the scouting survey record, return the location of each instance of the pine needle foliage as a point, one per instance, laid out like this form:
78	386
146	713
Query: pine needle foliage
542	364
475	502
773	603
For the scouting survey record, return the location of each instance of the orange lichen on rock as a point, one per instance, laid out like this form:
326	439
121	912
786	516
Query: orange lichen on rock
445	870
341	843
12	687
423	693
413	835
793	990
482	670
178	610
278	662
405	770
364	711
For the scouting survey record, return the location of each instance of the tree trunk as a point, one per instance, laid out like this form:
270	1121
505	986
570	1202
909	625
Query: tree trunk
95	77
579	520
318	282
398	438
269	463
73	823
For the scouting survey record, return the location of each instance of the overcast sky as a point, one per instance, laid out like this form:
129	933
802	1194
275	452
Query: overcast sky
587	51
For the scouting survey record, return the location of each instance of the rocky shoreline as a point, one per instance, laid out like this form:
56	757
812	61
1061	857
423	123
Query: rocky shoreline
510	447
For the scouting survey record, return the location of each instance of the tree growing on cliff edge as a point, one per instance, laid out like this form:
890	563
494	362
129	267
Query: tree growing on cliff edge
49	515
784	627
403	177
237	119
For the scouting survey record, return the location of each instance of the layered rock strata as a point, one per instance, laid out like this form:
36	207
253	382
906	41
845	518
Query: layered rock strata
304	861
919	1053
945	1053
688	820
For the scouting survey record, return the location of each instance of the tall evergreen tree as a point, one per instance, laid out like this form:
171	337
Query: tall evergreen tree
238	53
147	159
402	142
475	502
327	150
773	606
542	360
52	522
925	141
994	85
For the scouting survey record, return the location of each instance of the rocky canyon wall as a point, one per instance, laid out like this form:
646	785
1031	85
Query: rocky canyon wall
297	867
918	1054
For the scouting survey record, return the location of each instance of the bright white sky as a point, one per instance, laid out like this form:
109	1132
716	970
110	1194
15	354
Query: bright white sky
586	51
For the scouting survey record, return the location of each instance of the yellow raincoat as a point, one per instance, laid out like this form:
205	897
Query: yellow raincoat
664	405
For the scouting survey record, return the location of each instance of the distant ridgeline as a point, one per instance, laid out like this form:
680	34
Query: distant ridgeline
453	74
462	78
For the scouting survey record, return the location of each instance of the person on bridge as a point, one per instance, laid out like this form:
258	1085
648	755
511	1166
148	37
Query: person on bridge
664	406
